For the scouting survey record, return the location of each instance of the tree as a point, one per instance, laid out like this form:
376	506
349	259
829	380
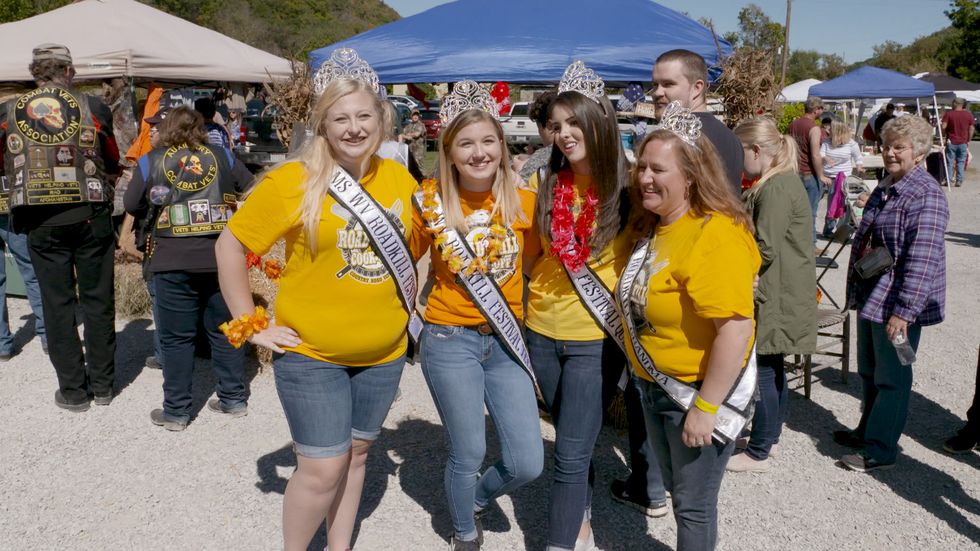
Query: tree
15	10
757	31
965	18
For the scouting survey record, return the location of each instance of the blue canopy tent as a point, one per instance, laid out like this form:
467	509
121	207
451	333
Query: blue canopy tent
874	82
526	41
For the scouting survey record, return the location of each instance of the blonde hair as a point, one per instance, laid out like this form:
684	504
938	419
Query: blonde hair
709	189
840	133
318	158
507	202
762	132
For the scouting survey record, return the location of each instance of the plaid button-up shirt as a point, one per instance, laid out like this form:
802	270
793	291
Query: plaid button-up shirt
908	217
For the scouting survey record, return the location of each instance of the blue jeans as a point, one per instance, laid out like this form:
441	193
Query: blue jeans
814	191
770	411
570	378
16	243
464	370
181	298
645	480
691	475
956	157
886	385
326	405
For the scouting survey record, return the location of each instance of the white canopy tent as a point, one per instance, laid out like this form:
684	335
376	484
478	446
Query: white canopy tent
798	91
124	38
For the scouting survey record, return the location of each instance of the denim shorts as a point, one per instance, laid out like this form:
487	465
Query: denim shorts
327	405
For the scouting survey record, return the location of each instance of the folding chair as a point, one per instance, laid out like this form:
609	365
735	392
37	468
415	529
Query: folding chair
833	319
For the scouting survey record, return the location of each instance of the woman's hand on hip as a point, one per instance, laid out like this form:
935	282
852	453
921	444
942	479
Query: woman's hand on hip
698	426
275	337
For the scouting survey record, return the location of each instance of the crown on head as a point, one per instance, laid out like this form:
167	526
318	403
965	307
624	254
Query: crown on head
682	122
581	79
466	95
344	63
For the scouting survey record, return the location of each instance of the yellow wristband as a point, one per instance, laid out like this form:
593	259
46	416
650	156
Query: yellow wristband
704	406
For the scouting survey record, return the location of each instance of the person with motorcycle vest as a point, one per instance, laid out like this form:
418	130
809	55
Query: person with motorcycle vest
60	159
186	189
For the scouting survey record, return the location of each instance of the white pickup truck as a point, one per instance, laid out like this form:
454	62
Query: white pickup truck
519	129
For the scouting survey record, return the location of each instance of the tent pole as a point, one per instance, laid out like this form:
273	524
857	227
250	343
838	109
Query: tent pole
942	143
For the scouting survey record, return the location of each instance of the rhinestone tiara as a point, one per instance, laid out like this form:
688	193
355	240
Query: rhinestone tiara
466	95
344	63
581	79
682	122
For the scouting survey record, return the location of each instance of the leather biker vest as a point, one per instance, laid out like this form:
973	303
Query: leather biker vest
53	154
191	188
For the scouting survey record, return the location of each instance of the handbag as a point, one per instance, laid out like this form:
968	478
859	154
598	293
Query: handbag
876	262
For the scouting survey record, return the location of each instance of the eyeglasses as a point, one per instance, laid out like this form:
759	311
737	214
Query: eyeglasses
897	149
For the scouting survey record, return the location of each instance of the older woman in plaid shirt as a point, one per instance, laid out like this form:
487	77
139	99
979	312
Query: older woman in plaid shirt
906	215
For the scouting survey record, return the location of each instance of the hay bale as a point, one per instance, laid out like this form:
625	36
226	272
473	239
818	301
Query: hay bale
132	298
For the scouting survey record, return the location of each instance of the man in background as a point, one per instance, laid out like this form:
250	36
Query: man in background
958	125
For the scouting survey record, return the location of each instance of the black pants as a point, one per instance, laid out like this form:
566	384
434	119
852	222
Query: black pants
183	298
972	427
65	256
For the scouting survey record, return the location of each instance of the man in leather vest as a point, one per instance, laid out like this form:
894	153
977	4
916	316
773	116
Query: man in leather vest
60	158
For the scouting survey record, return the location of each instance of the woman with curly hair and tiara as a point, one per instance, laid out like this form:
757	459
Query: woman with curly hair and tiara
339	334
479	228
686	298
581	212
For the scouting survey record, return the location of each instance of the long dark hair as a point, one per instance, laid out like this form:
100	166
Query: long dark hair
183	126
606	161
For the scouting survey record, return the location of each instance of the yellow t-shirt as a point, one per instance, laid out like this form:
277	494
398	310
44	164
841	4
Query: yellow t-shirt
449	303
343	303
553	307
702	270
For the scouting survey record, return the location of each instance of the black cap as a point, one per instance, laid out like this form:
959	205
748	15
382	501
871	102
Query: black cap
157	117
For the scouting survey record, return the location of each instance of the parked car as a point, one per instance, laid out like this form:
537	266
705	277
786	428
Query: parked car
433	125
407	101
519	129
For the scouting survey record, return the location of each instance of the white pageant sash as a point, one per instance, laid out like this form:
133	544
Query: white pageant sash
736	409
483	290
388	243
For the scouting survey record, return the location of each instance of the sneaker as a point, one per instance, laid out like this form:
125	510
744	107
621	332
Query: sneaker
214	404
744	463
959	183
6	356
159	418
75	407
742	443
848	439
863	463
460	545
153	363
961	443
648	508
103	399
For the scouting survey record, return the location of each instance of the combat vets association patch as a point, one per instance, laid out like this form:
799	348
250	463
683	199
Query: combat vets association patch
15	144
190	169
48	115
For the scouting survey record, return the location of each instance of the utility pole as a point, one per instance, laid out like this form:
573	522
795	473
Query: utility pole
782	77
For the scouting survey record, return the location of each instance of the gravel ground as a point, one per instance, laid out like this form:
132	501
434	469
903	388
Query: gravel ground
108	479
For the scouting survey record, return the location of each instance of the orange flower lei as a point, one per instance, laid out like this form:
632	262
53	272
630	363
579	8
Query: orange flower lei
455	262
239	330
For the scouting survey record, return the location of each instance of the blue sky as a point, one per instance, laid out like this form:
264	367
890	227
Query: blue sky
849	28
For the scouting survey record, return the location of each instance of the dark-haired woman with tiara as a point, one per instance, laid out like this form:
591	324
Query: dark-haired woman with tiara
581	213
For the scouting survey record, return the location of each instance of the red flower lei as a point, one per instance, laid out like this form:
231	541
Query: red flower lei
570	235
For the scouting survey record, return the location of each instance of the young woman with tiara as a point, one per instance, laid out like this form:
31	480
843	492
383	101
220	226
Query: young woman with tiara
581	213
479	228
339	334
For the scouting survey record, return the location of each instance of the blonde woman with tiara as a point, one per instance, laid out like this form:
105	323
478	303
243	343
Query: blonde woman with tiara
339	333
479	228
785	299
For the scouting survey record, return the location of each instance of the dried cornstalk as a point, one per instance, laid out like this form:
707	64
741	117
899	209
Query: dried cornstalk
748	86
294	97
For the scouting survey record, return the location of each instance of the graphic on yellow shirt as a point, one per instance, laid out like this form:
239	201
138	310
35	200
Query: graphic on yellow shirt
355	245
478	238
638	293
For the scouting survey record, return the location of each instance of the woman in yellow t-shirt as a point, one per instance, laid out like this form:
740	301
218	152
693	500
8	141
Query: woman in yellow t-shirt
465	361
340	328
581	212
690	308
